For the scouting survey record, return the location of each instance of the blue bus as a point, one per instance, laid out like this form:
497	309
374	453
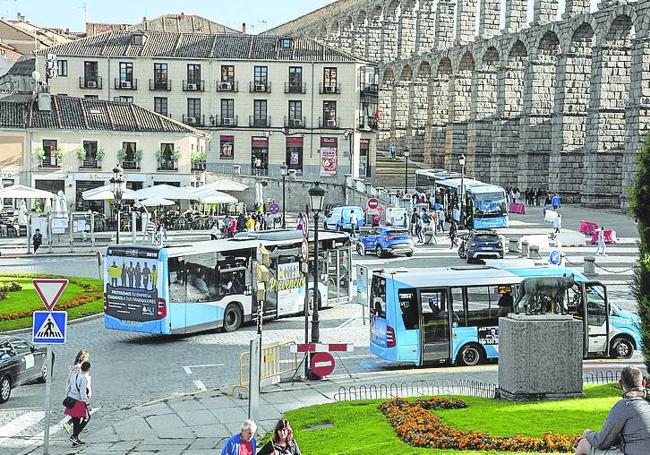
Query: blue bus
208	285
451	315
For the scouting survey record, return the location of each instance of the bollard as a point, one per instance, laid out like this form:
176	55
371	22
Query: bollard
513	246
533	252
524	249
589	266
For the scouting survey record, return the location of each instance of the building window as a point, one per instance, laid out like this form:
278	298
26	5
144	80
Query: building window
294	153
295	79
329	114
193	73
50	147
91	72
130	157
364	158
285	43
5	184
194	111
137	39
261	75
259	113
91	97
227	148
228	73
295	113
160	106
90	147
329	77
124	99
160	76
227	111
260	155
126	72
62	68
166	162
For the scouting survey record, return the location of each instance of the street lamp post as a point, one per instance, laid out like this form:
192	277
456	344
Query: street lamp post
406	169
349	135
461	161
284	169
118	186
317	196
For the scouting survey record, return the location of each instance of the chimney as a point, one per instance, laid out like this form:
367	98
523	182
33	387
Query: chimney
243	28
20	17
44	102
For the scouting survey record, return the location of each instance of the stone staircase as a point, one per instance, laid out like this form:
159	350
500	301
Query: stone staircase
390	173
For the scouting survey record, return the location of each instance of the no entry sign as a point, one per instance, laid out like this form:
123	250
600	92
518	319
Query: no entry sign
373	203
322	364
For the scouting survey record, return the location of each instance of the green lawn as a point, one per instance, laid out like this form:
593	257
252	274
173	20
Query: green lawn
360	428
28	300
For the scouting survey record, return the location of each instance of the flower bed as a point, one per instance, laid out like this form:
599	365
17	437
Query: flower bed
417	426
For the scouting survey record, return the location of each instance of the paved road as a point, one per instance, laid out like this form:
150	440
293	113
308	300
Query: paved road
131	369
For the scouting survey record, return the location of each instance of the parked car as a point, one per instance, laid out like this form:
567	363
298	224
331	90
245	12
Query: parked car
386	241
339	218
21	362
482	244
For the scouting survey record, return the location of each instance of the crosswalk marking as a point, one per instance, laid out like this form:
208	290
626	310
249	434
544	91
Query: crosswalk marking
19	424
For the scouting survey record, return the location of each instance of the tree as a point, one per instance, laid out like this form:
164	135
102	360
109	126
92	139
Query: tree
640	209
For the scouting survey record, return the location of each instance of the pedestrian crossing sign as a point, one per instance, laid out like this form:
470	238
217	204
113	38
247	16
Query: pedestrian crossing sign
49	327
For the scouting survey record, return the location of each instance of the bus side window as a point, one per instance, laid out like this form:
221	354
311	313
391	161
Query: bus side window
478	307
459	315
408	305
201	277
177	280
378	297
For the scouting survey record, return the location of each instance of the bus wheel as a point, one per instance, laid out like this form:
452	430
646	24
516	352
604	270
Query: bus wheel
622	348
380	252
360	249
470	355
232	318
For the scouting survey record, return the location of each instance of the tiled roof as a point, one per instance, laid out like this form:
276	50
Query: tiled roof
87	114
24	66
183	23
157	44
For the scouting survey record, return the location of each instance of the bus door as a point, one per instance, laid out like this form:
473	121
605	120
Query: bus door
338	275
434	323
595	312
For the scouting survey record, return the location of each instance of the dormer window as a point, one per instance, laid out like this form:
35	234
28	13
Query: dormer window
137	39
285	43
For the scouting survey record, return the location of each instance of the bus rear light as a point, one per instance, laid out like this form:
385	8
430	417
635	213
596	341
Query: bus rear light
162	308
391	342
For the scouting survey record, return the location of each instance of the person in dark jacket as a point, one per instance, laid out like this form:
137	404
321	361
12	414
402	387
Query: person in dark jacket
627	427
37	239
282	442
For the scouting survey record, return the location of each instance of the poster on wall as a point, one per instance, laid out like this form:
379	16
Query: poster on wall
227	150
328	156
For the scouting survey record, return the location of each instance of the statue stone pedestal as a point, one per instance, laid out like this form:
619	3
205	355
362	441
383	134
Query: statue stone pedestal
540	357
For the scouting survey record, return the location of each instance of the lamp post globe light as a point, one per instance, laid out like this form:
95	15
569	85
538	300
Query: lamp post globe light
461	161
407	153
284	169
316	196
118	186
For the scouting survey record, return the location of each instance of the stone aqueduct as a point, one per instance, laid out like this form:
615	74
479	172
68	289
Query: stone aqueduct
558	103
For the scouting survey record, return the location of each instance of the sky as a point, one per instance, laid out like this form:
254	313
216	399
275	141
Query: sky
259	15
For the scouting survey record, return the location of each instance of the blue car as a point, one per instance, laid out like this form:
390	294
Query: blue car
482	244
384	241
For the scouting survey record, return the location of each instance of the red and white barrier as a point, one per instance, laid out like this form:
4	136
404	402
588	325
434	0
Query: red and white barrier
318	347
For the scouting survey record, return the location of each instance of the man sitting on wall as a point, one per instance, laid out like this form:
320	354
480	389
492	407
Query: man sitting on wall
627	427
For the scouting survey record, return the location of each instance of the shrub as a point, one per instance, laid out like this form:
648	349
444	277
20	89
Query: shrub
417	426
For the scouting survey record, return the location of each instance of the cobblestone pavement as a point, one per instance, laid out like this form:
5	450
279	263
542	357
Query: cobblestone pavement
130	370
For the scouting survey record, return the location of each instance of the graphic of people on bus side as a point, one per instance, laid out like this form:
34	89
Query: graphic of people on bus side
133	276
146	272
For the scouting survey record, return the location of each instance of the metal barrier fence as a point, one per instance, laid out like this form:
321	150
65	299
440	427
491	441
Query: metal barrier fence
601	377
276	361
416	389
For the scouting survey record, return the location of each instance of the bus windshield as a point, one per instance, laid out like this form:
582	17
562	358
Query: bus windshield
489	204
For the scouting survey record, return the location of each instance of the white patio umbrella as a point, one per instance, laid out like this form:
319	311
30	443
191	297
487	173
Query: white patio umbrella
216	197
156	202
48	206
22	213
25	192
225	185
105	194
173	193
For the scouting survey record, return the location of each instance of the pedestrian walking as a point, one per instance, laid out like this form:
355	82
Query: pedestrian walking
453	232
81	357
214	231
419	229
242	443
37	239
282	442
78	396
557	223
433	226
354	221
442	218
600	246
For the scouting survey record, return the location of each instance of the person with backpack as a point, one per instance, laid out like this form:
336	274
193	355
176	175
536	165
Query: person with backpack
81	357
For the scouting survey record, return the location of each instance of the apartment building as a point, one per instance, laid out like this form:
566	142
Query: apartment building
265	100
59	143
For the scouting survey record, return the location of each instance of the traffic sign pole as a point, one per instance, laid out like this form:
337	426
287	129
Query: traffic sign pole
48	387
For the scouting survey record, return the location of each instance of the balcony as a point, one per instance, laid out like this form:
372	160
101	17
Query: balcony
228	86
295	87
50	162
194	86
167	165
160	85
370	90
198	166
259	87
222	121
368	123
259	122
295	122
131	164
91	163
126	84
197	120
330	123
327	89
90	82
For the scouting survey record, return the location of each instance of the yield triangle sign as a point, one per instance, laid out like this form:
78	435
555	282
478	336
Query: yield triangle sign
49	290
